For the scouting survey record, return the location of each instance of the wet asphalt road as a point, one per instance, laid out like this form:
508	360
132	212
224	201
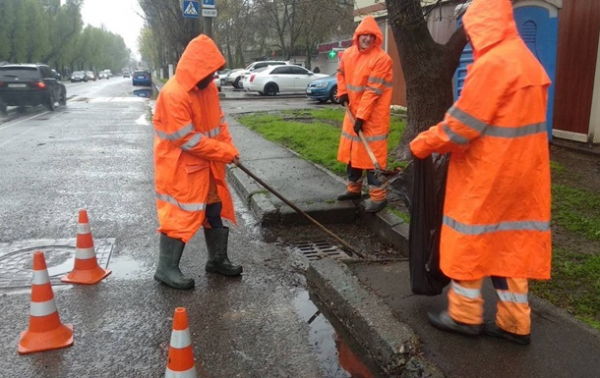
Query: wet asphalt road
96	154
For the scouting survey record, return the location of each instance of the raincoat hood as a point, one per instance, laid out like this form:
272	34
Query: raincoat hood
368	26
488	22
200	59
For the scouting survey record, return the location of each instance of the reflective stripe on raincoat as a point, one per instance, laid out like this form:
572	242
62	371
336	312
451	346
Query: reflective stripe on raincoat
192	143
366	77
497	205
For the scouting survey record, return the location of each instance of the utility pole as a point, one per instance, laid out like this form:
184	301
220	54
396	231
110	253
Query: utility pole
209	12
208	26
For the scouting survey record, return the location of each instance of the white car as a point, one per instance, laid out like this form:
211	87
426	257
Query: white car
281	79
233	75
223	75
236	78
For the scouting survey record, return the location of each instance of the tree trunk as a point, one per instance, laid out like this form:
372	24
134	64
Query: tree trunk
428	71
308	60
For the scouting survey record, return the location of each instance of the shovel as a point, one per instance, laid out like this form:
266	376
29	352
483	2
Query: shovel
381	174
346	246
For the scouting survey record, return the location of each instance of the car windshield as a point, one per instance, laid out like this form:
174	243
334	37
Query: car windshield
20	72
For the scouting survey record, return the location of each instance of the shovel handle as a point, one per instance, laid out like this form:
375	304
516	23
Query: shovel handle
314	221
363	139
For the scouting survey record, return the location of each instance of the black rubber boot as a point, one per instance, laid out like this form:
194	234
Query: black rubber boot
168	271
444	322
216	244
349	196
492	329
375	206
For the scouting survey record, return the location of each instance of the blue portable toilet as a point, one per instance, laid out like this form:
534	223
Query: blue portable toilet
537	22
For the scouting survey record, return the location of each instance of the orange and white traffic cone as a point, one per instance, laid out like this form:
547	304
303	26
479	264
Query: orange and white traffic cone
86	270
45	329
181	355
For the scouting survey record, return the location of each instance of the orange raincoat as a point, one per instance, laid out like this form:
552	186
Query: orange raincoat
366	77
497	205
192	143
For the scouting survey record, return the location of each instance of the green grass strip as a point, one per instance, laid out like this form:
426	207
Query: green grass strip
576	210
575	285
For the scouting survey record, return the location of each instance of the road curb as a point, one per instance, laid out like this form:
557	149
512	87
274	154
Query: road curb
390	228
391	344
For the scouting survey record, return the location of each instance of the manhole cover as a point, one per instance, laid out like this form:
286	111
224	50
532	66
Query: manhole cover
16	259
317	250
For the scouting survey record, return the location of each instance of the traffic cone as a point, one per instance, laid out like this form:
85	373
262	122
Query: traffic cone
181	355
45	329
86	270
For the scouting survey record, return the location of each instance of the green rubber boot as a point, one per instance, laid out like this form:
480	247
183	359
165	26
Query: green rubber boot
216	244
168	271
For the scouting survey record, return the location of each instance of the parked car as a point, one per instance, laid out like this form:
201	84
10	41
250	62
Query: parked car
323	90
281	79
233	75
90	75
237	77
78	76
257	66
223	76
106	74
30	85
141	77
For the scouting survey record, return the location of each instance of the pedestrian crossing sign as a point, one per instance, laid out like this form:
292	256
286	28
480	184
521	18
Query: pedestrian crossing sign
190	9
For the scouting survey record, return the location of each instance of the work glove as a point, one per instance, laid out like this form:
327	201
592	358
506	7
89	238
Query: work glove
343	99
358	125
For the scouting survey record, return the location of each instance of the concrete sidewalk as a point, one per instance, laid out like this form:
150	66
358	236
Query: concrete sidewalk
307	186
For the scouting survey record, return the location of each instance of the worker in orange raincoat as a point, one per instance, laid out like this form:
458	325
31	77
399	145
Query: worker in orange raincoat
364	81
192	145
497	205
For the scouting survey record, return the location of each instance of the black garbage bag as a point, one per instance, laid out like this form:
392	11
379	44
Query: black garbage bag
426	213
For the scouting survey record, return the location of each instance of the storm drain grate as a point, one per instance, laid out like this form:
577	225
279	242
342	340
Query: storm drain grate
16	259
317	250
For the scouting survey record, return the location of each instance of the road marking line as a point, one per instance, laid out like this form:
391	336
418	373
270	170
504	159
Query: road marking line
23	120
17	136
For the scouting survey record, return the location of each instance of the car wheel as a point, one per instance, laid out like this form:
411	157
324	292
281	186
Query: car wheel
236	83
63	98
50	103
333	95
3	108
271	89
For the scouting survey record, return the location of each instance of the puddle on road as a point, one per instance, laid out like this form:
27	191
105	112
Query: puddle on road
146	93
143	120
335	354
124	267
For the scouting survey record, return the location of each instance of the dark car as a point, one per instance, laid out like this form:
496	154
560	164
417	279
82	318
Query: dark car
141	77
78	76
323	90
30	85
